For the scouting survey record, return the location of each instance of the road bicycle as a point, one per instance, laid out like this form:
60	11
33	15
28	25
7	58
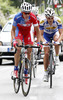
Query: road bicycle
55	4
52	65
21	75
59	7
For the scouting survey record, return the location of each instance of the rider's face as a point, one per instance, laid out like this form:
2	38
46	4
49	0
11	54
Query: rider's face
50	19
26	15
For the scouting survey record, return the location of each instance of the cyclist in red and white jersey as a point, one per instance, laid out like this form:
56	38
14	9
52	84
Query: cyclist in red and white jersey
50	27
35	11
21	28
38	16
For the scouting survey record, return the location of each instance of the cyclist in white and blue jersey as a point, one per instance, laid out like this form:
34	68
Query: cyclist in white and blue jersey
50	27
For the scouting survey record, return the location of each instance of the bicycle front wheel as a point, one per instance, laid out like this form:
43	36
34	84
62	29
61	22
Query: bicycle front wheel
26	86
35	69
17	80
51	60
16	85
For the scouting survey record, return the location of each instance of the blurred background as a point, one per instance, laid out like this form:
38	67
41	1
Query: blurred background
10	7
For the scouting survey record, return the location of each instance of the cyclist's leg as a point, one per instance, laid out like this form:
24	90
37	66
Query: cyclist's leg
28	40
46	62
56	36
17	55
46	50
46	57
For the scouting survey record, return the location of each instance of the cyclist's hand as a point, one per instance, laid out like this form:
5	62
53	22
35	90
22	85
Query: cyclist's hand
56	43
38	43
45	43
14	42
41	46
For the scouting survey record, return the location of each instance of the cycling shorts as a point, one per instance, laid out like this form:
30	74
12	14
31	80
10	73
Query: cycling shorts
28	38
48	36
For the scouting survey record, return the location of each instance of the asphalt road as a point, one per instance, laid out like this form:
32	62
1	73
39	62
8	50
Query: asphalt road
39	90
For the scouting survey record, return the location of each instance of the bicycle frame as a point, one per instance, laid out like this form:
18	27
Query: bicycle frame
51	62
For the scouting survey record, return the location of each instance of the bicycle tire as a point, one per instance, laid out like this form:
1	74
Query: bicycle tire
34	64
51	60
35	69
25	92
16	88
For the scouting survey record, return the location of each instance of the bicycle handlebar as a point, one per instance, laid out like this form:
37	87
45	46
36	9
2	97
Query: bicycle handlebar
28	46
49	43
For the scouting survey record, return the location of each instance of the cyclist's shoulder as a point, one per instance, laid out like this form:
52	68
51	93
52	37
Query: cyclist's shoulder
18	15
39	17
57	19
32	16
43	20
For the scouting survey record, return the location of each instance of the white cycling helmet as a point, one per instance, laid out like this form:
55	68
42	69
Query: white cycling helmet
35	10
26	7
49	12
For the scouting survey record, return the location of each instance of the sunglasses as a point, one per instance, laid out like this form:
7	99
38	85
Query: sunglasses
26	13
50	18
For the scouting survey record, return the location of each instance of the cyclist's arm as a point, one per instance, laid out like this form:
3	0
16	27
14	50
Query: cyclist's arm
60	29
42	38
37	32
13	33
61	35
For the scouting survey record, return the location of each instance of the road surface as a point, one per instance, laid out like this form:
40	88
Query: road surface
39	89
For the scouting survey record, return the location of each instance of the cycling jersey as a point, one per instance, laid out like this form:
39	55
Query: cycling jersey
38	19
44	25
50	31
23	27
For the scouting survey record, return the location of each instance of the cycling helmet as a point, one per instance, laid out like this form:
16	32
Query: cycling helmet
35	10
49	12
26	7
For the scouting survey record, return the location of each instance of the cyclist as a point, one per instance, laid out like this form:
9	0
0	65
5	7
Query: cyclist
50	27
22	28
35	11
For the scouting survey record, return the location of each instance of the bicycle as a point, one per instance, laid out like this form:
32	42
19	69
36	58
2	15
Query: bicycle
21	76
52	65
49	3
55	4
59	7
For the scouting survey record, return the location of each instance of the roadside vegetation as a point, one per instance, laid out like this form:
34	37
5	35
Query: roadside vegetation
9	7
